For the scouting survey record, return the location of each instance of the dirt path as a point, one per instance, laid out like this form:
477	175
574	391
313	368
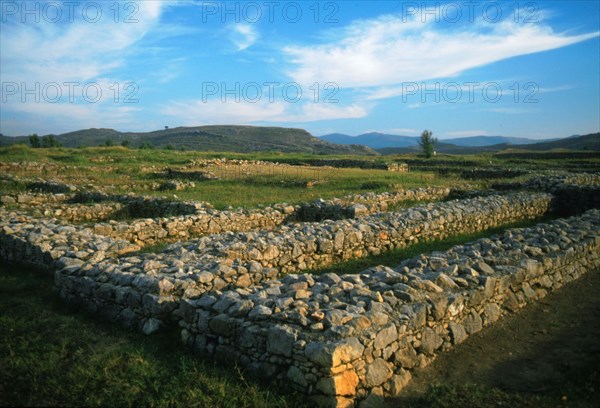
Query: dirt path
550	349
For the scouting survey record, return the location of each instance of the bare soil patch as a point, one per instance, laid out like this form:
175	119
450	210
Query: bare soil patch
548	354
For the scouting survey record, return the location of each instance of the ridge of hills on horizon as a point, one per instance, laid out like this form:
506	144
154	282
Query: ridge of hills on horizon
398	144
226	138
247	139
379	140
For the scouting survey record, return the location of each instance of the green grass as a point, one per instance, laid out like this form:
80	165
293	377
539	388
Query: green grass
395	257
53	355
117	170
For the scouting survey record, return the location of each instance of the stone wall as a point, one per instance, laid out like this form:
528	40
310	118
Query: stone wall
144	291
550	183
357	337
197	218
44	242
357	205
305	246
397	167
335	338
29	167
51	186
28	199
96	206
491	173
575	199
204	221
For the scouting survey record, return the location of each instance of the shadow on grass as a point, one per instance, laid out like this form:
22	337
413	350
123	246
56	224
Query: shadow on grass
55	355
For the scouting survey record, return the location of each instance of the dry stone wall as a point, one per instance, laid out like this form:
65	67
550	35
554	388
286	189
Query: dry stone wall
205	221
44	242
357	337
573	193
492	173
145	290
575	199
195	219
357	205
50	186
311	245
339	339
24	199
551	183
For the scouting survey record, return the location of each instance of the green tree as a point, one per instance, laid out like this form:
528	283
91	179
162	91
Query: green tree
126	143
34	141
108	143
50	141
427	143
146	145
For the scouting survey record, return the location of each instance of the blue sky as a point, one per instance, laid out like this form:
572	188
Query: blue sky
527	69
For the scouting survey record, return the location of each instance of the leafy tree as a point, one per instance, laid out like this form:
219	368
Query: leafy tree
34	141
50	141
427	143
126	143
169	147
108	143
146	145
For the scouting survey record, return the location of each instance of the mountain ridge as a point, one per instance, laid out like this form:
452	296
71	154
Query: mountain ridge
590	142
230	138
378	140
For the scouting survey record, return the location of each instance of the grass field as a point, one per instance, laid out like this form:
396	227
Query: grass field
54	355
121	170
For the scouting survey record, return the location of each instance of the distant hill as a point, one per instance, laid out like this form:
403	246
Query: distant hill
585	142
442	147
374	140
242	139
589	142
382	140
490	141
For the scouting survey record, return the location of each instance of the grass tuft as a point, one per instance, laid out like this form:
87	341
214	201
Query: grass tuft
54	355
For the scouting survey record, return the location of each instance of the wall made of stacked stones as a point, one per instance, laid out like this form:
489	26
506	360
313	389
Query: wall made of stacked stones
242	260
357	337
337	338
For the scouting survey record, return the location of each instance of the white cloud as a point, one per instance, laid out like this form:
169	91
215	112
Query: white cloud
66	57
384	52
41	117
243	36
198	112
73	51
399	131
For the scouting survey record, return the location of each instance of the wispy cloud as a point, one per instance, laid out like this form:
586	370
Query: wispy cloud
195	112
243	36
69	117
399	131
384	52
72	51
